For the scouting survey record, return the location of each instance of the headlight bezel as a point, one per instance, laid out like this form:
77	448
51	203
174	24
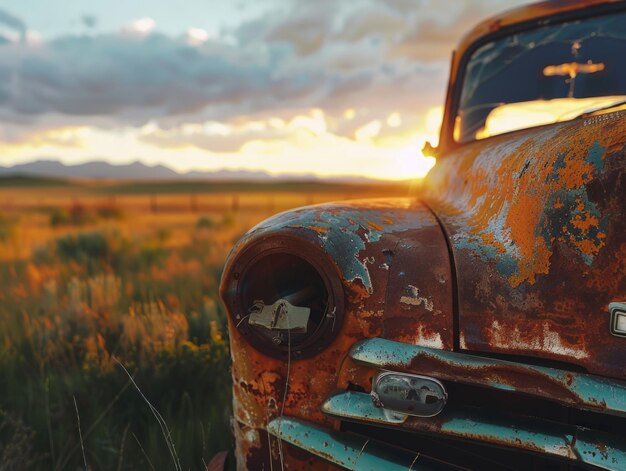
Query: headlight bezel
298	346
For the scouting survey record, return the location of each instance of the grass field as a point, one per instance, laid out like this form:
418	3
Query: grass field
101	283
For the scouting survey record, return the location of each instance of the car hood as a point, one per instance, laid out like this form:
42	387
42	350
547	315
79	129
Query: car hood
536	223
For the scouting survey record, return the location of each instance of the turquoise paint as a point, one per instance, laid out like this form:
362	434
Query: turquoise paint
506	263
350	451
562	441
557	224
591	392
344	231
595	156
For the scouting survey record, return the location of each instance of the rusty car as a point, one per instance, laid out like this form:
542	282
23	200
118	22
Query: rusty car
480	324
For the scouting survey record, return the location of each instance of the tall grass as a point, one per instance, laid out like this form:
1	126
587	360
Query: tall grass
85	299
90	275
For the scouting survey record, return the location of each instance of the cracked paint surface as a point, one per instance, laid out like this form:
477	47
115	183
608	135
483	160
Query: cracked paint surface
518	207
413	298
536	223
344	229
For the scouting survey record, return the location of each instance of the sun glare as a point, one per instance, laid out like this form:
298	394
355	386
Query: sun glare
307	142
410	162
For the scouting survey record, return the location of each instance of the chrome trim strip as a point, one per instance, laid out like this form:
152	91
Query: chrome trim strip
586	391
347	450
529	434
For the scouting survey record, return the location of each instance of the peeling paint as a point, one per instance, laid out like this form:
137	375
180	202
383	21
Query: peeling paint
535	435
561	386
431	340
462	343
536	224
413	298
343	229
514	222
548	341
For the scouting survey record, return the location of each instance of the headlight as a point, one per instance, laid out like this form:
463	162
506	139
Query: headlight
286	298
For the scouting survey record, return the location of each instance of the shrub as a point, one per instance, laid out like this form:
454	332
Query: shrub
228	219
76	215
59	217
82	247
205	222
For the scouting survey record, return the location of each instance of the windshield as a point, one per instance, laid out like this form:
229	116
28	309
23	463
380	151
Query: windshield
550	74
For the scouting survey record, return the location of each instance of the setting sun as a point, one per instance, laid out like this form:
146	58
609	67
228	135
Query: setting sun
309	142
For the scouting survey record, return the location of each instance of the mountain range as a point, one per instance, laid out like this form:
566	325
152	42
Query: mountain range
139	171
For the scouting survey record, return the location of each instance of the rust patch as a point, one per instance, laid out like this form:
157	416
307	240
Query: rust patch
536	223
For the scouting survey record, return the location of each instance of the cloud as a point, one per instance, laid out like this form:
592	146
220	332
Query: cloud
13	23
424	30
213	136
377	57
377	21
140	27
197	36
136	79
233	136
15	136
304	26
90	21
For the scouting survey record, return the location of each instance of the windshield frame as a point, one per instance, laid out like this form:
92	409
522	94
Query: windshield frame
453	99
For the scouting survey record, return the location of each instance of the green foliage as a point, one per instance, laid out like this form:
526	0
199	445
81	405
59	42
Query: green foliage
79	215
16	444
269	187
146	296
59	217
83	247
205	222
29	181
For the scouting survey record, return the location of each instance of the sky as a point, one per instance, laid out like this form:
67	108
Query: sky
324	87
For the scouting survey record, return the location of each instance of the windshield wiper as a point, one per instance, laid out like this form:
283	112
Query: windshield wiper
587	113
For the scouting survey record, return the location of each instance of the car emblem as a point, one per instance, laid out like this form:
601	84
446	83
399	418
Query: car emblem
408	394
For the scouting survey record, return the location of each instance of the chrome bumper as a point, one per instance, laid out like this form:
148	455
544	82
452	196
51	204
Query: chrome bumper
571	443
348	450
567	442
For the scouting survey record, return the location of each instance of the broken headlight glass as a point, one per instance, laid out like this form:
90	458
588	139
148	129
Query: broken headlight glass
288	305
